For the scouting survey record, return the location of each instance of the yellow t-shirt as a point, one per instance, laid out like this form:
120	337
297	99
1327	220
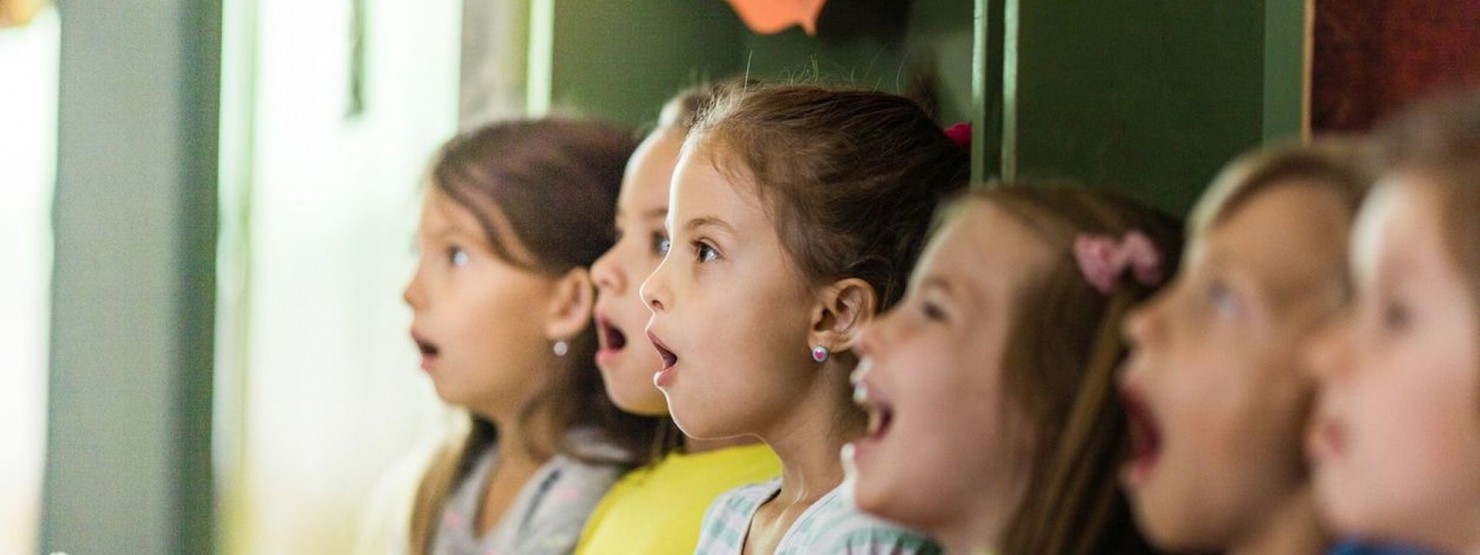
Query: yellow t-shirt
657	509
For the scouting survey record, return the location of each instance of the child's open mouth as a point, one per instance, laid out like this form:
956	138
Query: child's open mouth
1145	439
428	351
880	416
609	336
664	376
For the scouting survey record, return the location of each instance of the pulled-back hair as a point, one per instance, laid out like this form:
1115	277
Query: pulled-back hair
850	177
544	193
1063	349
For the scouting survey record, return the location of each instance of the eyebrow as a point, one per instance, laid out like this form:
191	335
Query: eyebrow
708	221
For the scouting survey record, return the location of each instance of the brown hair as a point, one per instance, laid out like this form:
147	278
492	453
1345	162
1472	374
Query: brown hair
1334	162
850	177
1063	349
1440	139
547	188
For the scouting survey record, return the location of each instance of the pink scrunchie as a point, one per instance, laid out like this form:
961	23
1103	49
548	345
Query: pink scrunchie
1103	260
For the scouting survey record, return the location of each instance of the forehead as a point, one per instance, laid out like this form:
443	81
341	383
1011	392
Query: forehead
700	189
649	173
1287	238
984	247
1397	227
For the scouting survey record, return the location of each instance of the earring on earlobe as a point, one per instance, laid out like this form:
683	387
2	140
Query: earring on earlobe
561	347
820	353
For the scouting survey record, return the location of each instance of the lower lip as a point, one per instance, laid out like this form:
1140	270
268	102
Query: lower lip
428	361
607	355
664	377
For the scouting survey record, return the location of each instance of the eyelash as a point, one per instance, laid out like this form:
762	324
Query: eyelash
700	249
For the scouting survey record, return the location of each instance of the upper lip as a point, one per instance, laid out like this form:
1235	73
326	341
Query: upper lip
669	358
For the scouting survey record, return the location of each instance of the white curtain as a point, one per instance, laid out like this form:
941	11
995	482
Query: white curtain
28	127
317	382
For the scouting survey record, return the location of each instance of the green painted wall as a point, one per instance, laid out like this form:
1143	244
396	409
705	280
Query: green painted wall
622	60
128	462
1150	98
933	38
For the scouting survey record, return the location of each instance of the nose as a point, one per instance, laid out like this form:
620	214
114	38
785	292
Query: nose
606	273
1143	323
413	295
655	291
1324	355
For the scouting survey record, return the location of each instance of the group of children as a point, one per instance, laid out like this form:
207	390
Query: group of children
781	323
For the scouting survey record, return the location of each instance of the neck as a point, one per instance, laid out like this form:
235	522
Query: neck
809	439
979	527
1289	528
966	538
514	441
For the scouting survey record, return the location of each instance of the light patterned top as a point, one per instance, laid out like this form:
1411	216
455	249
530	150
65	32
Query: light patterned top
831	526
546	518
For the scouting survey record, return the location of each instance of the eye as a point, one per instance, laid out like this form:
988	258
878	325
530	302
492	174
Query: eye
704	252
932	311
661	244
1395	316
457	256
1222	299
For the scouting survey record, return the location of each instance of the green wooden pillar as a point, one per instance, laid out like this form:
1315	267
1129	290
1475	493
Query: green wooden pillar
128	450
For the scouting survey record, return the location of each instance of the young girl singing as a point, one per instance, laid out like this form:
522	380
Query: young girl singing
994	421
795	216
514	214
1217	398
1396	439
656	509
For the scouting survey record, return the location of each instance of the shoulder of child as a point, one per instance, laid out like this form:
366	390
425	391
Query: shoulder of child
839	527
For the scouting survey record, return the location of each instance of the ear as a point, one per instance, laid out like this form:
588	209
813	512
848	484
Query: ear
571	303
842	310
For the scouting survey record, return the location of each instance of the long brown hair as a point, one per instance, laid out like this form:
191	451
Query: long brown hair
554	183
1064	347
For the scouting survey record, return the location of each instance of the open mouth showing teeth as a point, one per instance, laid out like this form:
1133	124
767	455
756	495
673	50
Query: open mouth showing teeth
669	359
611	337
880	414
879	418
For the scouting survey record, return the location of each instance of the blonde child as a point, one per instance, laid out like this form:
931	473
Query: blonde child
1396	438
795	215
1217	399
502	300
994	420
656	509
